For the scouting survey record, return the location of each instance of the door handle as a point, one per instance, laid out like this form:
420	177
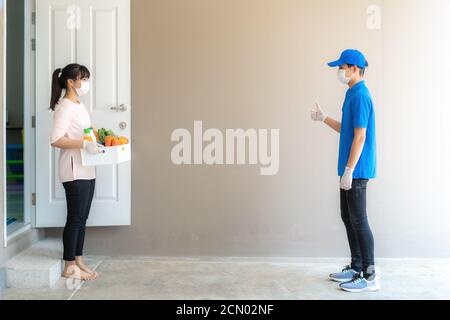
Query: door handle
123	125
121	108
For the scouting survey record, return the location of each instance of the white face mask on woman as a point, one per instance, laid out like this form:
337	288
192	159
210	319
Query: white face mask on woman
84	89
342	78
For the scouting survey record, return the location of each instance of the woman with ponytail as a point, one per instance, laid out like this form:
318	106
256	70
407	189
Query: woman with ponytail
70	118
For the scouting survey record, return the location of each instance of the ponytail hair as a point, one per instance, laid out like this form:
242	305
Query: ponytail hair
73	72
56	89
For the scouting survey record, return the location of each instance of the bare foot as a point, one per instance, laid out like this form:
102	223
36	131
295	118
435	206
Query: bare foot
74	272
86	269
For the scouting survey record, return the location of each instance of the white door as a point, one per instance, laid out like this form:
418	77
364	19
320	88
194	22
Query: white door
95	33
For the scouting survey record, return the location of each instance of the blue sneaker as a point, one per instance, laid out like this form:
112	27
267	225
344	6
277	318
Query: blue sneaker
361	284
345	275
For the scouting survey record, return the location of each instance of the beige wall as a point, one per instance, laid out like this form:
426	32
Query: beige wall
262	64
231	64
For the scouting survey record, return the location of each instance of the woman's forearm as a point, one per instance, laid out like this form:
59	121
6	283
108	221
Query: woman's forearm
67	143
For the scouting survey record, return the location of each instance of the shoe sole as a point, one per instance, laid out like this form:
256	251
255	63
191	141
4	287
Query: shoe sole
371	289
340	280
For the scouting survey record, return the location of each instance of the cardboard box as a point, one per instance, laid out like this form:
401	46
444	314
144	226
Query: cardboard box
113	155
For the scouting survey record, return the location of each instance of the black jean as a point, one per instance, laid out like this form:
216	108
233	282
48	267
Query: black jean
79	195
359	234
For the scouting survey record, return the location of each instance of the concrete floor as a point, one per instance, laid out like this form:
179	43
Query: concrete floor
238	278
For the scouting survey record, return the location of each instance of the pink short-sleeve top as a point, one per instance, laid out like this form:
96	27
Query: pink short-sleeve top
69	120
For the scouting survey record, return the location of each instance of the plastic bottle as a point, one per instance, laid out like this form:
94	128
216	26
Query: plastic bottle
87	135
91	132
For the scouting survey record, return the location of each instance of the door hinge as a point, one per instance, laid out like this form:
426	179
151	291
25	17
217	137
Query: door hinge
33	199
33	122
33	44
33	18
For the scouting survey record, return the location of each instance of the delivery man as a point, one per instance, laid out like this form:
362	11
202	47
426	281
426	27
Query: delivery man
356	166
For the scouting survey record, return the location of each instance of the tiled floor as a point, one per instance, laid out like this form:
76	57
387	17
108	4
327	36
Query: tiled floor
239	278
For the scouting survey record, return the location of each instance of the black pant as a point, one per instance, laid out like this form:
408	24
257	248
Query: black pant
79	195
354	215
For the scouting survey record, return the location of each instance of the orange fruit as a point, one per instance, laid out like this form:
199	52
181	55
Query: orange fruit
115	142
108	141
123	140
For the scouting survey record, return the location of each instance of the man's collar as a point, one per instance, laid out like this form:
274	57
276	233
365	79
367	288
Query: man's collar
357	85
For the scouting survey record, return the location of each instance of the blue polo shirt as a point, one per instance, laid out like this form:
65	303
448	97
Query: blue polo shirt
358	112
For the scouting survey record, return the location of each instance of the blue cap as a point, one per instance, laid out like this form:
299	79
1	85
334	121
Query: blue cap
350	56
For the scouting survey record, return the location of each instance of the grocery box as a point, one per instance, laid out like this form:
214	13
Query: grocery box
112	155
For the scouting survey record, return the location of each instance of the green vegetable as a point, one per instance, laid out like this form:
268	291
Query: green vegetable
102	135
110	133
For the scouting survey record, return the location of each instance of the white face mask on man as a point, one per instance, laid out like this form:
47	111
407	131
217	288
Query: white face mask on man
342	78
84	89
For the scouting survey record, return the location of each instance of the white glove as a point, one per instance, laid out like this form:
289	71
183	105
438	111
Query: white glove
317	114
347	179
93	147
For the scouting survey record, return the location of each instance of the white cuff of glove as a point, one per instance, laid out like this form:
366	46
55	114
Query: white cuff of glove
93	147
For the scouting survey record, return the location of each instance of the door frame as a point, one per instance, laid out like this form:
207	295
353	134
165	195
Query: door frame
102	43
29	113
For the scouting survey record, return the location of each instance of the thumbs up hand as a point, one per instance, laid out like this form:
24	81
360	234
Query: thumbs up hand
317	113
